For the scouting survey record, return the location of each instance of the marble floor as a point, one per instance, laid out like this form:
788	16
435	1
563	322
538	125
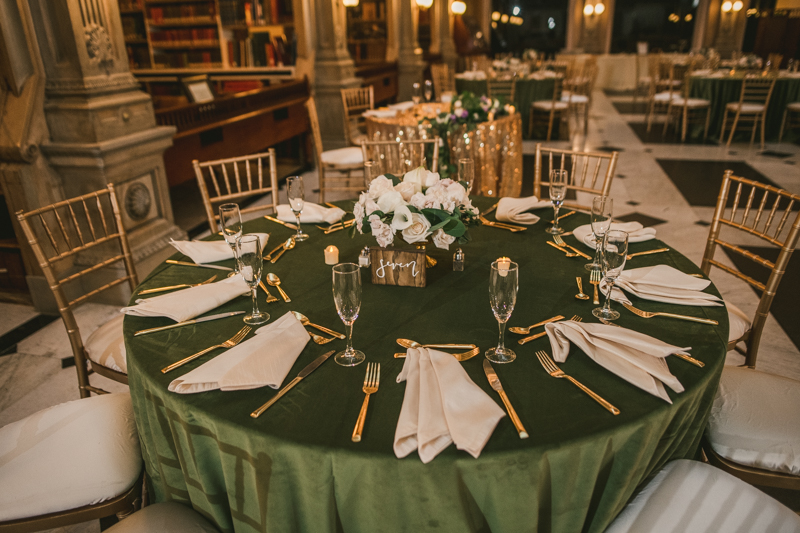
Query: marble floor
32	377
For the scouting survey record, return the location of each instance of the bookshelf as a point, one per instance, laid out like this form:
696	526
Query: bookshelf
366	31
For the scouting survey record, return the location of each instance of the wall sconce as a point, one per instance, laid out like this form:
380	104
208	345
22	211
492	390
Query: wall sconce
727	6
738	5
458	7
588	10
350	3
426	4
596	9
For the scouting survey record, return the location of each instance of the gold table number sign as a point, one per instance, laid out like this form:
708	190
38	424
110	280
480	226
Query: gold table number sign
393	266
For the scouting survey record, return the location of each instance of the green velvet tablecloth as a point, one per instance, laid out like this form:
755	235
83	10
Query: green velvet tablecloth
296	469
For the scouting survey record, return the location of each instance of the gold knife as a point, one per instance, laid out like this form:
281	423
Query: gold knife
188	322
494	381
303	373
648	252
281	222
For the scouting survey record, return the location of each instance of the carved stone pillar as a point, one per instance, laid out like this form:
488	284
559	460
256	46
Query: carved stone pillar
443	33
409	57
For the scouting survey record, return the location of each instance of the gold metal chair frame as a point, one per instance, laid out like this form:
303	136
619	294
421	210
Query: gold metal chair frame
685	114
443	79
80	237
749	474
584	168
399	157
551	112
354	102
502	88
581	84
667	77
794	118
242	187
756	89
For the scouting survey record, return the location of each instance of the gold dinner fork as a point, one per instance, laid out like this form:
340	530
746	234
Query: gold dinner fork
594	279
552	368
559	241
371	382
230	343
575	318
649	314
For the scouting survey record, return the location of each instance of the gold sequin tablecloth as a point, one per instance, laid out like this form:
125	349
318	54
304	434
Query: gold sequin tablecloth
495	146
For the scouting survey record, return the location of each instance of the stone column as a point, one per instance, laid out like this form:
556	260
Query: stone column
409	55
729	27
442	26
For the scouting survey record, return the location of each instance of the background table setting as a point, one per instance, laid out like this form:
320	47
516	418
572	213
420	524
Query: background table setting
297	466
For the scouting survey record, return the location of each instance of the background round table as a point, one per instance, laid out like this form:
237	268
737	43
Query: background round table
296	469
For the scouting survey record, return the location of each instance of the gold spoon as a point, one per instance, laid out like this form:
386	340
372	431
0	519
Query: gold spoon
306	322
525	331
275	281
288	245
580	296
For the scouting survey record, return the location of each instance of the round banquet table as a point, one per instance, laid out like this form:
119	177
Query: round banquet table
296	469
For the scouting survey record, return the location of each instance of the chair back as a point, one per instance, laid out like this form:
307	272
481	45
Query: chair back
766	212
354	102
757	89
561	66
234	179
504	88
589	172
316	136
443	79
399	157
71	240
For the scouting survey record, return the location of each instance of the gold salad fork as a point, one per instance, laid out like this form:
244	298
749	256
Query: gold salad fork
371	382
575	318
552	368
594	279
649	314
559	241
230	343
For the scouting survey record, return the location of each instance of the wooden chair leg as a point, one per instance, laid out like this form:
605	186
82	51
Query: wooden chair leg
650	109
724	122
708	119
763	121
683	128
783	123
667	121
550	124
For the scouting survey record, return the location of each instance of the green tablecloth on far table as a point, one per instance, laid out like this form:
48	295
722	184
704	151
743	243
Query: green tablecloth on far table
296	469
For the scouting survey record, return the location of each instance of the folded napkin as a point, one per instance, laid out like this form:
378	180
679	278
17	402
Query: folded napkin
442	405
636	232
633	356
701	72
210	251
401	106
312	214
381	113
262	360
514	209
189	303
662	283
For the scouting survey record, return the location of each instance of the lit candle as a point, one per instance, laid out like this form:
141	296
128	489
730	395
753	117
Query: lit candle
331	255
503	264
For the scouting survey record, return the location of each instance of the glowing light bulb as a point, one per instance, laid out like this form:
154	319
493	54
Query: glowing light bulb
504	19
738	5
588	9
599	8
726	6
496	16
458	7
425	3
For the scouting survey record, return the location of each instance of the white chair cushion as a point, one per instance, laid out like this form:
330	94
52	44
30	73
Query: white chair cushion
343	156
665	96
73	454
169	517
691	102
738	322
746	108
693	497
575	98
754	420
106	345
794	106
549	104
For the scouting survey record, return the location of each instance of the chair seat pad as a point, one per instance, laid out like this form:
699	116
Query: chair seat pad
690	496
549	104
76	453
343	156
106	346
665	96
168	517
794	106
574	98
754	420
746	108
691	102
739	323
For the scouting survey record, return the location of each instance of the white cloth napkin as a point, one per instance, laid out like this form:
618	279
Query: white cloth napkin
210	251
441	405
401	106
514	209
636	232
662	283
381	113
312	214
189	303
261	360
635	357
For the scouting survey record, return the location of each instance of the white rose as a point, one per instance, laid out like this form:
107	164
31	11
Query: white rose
402	218
358	212
431	179
457	193
457	104
442	240
415	177
370	206
418	230
407	189
382	232
418	200
390	200
379	186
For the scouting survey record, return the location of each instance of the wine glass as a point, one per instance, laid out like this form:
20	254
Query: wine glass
231	222
347	297
416	94
466	172
250	263
558	190
503	286
296	194
372	169
602	207
615	250
428	90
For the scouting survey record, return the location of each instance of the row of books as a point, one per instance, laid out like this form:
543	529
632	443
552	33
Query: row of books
373	11
182	12
249	13
188	60
260	50
187	35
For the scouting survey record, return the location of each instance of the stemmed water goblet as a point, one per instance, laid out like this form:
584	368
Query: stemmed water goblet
250	266
416	93
558	190
602	207
612	257
428	90
503	286
347	297
230	219
466	172
372	169
296	194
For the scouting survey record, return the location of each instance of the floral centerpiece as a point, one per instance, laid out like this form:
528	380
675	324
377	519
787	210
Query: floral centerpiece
418	206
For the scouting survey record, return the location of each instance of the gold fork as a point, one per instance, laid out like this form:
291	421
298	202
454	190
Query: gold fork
575	318
551	368
371	382
230	343
182	286
501	225
685	357
559	241
649	314
594	279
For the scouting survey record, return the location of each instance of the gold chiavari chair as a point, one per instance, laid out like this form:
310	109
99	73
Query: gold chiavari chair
560	66
443	79
752	431
589	172
234	179
752	105
504	88
355	101
336	167
399	157
684	110
645	74
578	92
548	108
792	113
66	237
666	85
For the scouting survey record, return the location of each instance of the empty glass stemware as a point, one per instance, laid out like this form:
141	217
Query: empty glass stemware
602	207
347	297
416	93
231	222
296	194
372	169
558	190
250	265
503	286
466	172
428	90
614	253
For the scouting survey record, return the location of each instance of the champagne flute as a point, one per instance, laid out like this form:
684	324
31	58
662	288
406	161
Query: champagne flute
428	90
296	194
372	169
466	173
250	266
347	297
615	250
558	190
416	94
503	286
602	207
230	219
